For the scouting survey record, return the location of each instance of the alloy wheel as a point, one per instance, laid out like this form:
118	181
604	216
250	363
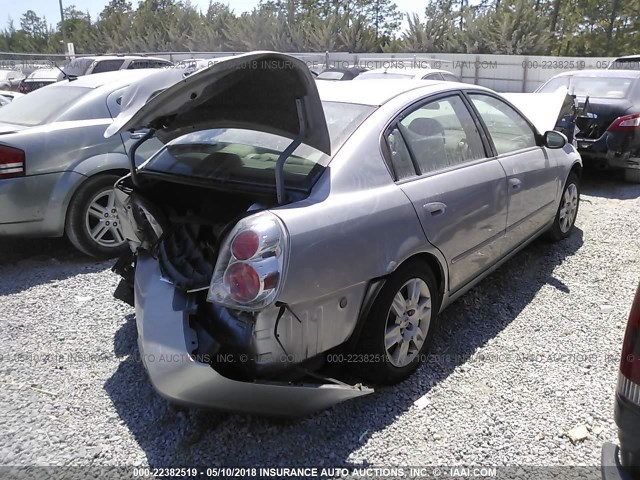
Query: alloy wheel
408	322
102	222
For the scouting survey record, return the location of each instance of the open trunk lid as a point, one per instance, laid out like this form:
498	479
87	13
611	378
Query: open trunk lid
597	114
262	91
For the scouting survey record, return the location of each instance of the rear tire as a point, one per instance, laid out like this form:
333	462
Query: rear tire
397	334
567	213
92	224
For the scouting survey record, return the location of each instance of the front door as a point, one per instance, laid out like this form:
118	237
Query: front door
532	175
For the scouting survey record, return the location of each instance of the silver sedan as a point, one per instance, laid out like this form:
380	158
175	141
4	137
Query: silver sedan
56	168
285	234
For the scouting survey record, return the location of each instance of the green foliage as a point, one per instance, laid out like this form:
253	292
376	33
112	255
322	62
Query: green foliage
559	27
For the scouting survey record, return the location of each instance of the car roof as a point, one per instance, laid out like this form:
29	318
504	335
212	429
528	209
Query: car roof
114	79
414	72
118	57
600	73
379	91
628	57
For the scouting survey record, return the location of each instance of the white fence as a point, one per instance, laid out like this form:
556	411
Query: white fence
504	73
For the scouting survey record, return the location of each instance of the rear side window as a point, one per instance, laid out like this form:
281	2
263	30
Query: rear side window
107	65
136	64
508	129
442	134
432	76
450	78
400	157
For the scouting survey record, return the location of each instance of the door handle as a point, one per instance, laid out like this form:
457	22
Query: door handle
435	208
515	183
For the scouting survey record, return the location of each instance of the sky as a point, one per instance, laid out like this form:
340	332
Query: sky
50	9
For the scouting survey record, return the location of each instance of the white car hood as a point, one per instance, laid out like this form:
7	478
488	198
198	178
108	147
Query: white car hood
542	109
254	91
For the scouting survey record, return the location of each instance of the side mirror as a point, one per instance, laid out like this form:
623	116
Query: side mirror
554	140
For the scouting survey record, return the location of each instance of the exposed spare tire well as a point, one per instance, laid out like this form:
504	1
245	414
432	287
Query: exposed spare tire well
195	221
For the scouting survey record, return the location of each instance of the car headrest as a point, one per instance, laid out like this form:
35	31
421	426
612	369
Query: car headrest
426	127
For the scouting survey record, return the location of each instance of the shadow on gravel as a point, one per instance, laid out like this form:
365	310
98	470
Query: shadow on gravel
174	437
40	261
608	184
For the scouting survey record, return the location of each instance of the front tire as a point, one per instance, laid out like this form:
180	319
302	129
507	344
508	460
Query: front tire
92	224
400	326
567	213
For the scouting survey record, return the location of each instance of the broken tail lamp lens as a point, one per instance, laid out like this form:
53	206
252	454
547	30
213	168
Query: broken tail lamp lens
629	379
250	265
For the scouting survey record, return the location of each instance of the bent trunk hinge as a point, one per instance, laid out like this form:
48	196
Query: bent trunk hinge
132	155
289	150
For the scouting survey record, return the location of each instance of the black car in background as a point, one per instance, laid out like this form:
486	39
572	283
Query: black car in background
608	122
623	462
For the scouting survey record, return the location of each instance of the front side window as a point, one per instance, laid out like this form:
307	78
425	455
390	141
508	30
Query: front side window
508	129
442	134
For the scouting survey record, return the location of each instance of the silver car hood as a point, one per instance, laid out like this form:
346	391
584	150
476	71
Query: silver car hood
254	91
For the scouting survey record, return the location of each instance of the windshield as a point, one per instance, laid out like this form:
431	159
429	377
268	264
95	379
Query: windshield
41	106
600	87
248	156
330	76
625	64
555	84
596	87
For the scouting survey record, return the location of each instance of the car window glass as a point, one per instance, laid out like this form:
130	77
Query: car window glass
450	78
42	106
86	109
508	129
400	157
114	102
432	76
442	134
555	84
107	66
135	64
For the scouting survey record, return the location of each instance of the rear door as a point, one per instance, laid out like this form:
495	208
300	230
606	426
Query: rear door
459	194
532	174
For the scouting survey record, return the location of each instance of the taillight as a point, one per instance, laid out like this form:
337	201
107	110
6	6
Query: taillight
250	267
629	383
626	123
11	162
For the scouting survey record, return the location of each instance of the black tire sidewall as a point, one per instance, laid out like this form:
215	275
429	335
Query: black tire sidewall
371	361
75	226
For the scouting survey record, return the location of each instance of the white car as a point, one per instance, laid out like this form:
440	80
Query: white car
10	95
109	63
407	74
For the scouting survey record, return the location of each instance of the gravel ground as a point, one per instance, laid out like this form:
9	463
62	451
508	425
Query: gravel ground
522	359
